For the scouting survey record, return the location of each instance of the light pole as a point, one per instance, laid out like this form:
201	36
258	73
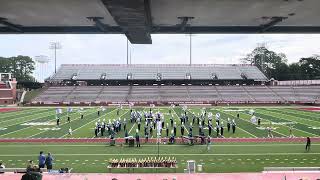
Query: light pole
55	46
190	48
127	51
41	67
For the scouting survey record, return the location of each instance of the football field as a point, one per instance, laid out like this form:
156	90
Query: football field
41	122
222	157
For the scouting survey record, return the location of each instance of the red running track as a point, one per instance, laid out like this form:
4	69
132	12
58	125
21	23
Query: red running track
315	109
153	140
9	109
177	176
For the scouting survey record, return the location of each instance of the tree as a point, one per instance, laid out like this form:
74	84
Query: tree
294	72
310	67
272	64
21	67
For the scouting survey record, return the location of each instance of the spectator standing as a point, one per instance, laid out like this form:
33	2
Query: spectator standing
30	166
2	167
49	160
33	172
42	160
308	145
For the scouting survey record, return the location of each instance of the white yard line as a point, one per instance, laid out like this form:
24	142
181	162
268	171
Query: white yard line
288	116
59	126
254	124
47	114
166	154
152	145
293	127
25	127
16	115
131	128
246	132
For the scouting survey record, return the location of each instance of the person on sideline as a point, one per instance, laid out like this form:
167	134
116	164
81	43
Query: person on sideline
308	145
49	160
42	160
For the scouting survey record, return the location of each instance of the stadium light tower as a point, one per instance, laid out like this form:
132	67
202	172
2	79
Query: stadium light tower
55	46
190	46
41	67
127	51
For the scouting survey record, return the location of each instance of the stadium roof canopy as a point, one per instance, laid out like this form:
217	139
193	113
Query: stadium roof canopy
138	19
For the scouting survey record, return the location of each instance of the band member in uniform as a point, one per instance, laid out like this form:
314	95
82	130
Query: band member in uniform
103	127
171	121
58	121
70	131
182	129
259	121
233	125
151	131
290	131
146	136
137	138
221	129
96	131
175	129
200	129
208	143
210	128
139	124
126	136
228	124
217	129
190	128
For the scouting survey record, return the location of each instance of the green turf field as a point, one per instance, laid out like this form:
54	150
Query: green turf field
41	122
223	157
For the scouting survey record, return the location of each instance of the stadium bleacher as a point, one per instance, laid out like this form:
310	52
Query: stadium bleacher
7	93
161	92
263	94
150	71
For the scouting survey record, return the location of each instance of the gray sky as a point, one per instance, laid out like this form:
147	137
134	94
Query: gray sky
216	48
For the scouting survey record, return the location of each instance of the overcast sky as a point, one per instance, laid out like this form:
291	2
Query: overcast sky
217	48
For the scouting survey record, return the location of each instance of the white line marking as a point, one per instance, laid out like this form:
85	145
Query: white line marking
153	145
25	127
59	126
24	116
231	154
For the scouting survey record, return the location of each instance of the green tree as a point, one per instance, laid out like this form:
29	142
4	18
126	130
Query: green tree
295	72
310	67
272	64
21	67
